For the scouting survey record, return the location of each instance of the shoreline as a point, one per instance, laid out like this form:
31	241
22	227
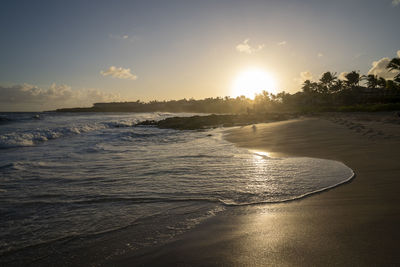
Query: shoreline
355	223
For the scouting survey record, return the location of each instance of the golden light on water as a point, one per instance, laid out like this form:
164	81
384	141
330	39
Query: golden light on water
253	81
262	154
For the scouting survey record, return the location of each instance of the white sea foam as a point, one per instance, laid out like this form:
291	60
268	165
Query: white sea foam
31	131
35	136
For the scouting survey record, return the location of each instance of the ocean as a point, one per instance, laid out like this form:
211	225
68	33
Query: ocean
69	180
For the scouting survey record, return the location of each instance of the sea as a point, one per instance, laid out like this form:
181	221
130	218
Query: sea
71	180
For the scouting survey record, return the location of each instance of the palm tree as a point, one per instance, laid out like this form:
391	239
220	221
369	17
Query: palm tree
338	85
309	86
394	65
353	78
382	82
372	81
327	80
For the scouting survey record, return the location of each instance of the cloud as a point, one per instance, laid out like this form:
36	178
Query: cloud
119	73
246	48
342	76
282	43
320	55
119	37
304	75
395	2
379	69
124	37
26	97
398	53
113	36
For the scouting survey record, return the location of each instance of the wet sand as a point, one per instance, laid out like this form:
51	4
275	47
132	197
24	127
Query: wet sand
355	224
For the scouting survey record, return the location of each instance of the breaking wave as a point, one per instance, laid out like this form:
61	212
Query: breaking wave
33	137
38	131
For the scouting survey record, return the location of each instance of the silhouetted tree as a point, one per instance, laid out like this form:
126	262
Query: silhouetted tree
309	87
394	65
327	81
353	78
390	85
337	86
382	82
372	81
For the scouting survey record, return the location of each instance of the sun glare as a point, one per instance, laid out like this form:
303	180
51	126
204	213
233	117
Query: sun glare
252	82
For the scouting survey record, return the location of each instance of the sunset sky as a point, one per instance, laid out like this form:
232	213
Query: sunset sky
73	53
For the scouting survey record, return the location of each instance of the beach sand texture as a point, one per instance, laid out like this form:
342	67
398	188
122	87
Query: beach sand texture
356	224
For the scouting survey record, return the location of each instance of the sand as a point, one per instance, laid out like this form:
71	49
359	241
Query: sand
355	224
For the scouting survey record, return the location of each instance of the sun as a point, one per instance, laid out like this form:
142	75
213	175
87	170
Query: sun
251	82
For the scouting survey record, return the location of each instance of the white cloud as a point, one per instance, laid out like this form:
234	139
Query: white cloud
306	75
398	53
395	2
26	97
124	37
320	55
248	49
282	43
379	69
119	73
342	76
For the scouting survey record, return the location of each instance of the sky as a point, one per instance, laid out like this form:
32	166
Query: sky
73	53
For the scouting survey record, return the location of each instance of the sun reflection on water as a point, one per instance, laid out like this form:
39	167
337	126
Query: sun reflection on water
260	180
261	154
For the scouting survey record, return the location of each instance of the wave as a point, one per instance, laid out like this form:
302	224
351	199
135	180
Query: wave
120	124
23	165
145	200
30	137
7	166
9	254
12	166
6	118
308	194
132	200
23	139
225	202
36	136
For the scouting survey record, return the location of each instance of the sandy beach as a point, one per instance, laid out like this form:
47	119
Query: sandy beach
355	224
200	133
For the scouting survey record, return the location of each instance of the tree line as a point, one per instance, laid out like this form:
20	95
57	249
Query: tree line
354	92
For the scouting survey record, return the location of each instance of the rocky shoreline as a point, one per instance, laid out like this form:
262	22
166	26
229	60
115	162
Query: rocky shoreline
214	121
